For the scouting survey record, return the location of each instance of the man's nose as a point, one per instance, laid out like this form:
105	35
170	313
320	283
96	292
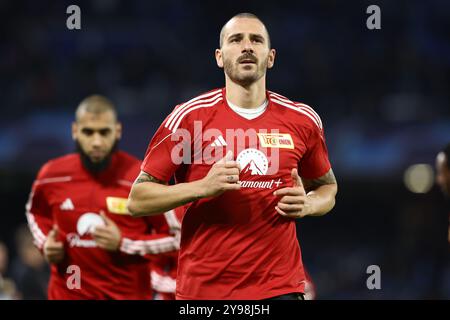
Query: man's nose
97	140
247	46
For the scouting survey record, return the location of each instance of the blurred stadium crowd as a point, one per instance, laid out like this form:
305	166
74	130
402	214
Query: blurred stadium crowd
383	97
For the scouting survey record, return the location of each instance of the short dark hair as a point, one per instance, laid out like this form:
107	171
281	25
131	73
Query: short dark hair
95	104
243	15
446	151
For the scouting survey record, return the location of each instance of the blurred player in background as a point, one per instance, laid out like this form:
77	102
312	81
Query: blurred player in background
164	265
443	174
77	215
164	275
249	162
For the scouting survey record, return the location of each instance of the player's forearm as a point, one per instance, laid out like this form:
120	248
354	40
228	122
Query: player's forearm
322	199
151	198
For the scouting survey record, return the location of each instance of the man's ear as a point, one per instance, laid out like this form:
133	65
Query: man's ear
118	130
74	131
219	59
271	59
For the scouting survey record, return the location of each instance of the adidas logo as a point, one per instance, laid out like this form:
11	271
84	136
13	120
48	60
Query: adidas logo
219	142
67	205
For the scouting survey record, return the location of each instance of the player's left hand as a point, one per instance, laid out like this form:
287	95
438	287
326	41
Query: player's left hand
108	236
294	202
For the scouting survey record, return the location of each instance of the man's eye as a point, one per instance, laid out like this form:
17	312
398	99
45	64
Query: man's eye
87	132
234	40
105	132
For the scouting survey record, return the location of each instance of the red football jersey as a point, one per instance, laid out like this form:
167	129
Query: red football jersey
65	194
164	266
236	245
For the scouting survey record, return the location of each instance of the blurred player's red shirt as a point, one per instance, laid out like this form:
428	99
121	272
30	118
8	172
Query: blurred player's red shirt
164	266
65	194
236	246
164	275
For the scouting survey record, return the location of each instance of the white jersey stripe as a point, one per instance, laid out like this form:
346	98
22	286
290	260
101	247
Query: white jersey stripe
182	109
300	105
188	107
36	232
188	103
150	246
305	106
174	113
297	109
208	105
311	113
52	180
162	140
38	236
162	283
172	220
281	97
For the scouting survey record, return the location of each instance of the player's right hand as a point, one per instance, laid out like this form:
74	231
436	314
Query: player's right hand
53	249
223	176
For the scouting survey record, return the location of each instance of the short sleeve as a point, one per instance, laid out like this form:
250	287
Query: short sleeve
315	162
166	150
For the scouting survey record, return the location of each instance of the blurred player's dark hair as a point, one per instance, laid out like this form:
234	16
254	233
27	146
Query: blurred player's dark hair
95	104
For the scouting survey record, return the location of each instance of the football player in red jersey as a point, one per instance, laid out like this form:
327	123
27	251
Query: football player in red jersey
247	162
78	217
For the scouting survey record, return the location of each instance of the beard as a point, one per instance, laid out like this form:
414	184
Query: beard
245	79
95	167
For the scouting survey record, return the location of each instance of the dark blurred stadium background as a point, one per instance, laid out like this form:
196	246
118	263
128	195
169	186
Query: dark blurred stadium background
383	96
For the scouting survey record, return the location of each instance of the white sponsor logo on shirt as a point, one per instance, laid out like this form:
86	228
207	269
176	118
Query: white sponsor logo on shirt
87	222
253	161
86	225
74	241
261	184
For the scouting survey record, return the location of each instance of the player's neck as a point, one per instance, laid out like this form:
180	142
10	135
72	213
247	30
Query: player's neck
249	97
